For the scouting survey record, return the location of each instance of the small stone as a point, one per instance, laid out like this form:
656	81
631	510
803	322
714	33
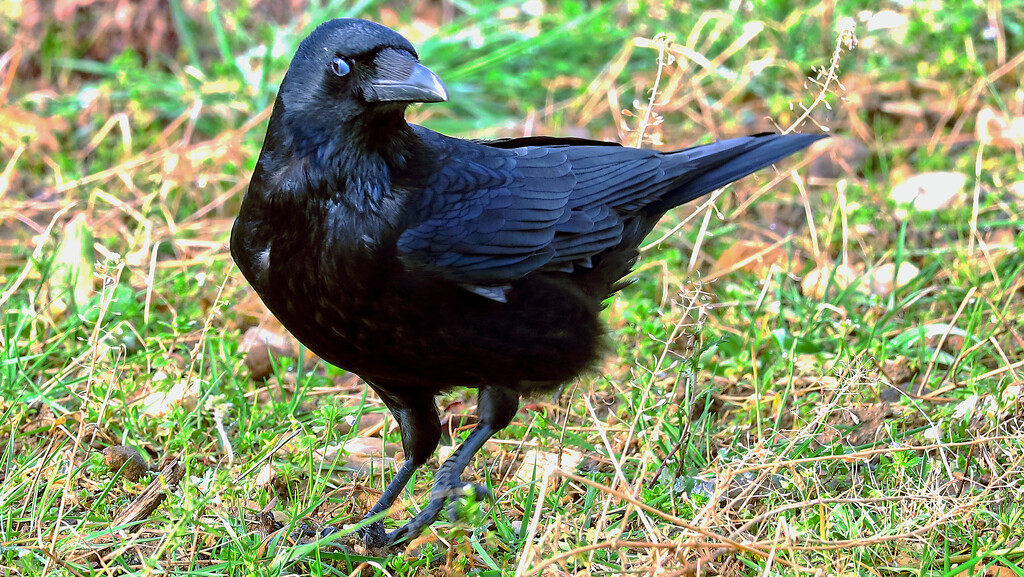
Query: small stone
127	460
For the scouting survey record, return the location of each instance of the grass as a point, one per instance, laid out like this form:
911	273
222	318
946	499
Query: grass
747	424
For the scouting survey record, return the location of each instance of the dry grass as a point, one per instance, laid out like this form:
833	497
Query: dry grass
744	427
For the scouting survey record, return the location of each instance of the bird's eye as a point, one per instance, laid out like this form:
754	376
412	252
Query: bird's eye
340	67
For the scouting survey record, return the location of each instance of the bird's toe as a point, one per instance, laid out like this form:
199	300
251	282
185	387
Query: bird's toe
374	535
417	524
481	492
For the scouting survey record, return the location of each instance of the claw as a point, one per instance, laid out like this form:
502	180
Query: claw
374	535
482	492
497	406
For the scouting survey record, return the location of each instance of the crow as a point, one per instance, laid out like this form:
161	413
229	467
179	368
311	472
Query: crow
422	262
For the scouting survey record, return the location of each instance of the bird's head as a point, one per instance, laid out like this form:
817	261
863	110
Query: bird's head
351	69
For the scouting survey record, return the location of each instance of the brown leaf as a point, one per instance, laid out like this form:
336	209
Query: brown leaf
261	345
753	256
836	157
859	424
1000	571
898	370
18	127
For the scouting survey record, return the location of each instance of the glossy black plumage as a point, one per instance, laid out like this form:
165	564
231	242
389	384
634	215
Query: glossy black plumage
422	262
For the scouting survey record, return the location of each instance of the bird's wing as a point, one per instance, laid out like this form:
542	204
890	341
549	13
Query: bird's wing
523	141
490	215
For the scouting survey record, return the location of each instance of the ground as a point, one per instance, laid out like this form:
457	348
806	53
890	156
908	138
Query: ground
817	372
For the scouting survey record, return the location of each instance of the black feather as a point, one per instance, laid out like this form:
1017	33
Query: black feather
422	262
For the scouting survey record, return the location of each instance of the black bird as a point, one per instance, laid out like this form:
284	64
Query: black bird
422	262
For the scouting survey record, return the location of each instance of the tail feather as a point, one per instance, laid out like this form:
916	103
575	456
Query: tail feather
699	170
712	166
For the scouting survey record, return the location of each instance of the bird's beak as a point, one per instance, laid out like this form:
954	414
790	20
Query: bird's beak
421	85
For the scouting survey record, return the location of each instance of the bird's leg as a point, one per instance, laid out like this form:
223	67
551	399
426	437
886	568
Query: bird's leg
421	430
496	407
387	498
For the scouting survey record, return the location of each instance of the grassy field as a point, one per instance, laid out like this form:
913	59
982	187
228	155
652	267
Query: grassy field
816	373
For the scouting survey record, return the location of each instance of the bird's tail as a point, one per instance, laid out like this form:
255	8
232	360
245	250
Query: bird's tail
698	171
708	167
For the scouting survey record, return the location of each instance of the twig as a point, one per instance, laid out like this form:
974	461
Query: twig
846	38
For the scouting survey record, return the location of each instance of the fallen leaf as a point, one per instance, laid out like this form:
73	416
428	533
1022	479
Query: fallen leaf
885	279
898	371
996	129
260	345
159	404
369	424
890	21
753	256
38	132
818	280
1017	189
265	476
966	407
930	191
617	314
908	108
537	463
71	276
836	157
360	454
127	460
933	433
884	25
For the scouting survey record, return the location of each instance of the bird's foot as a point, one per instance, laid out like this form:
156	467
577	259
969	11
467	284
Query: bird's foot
373	535
447	490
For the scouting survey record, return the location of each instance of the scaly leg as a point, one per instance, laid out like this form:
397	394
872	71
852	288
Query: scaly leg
421	431
496	407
